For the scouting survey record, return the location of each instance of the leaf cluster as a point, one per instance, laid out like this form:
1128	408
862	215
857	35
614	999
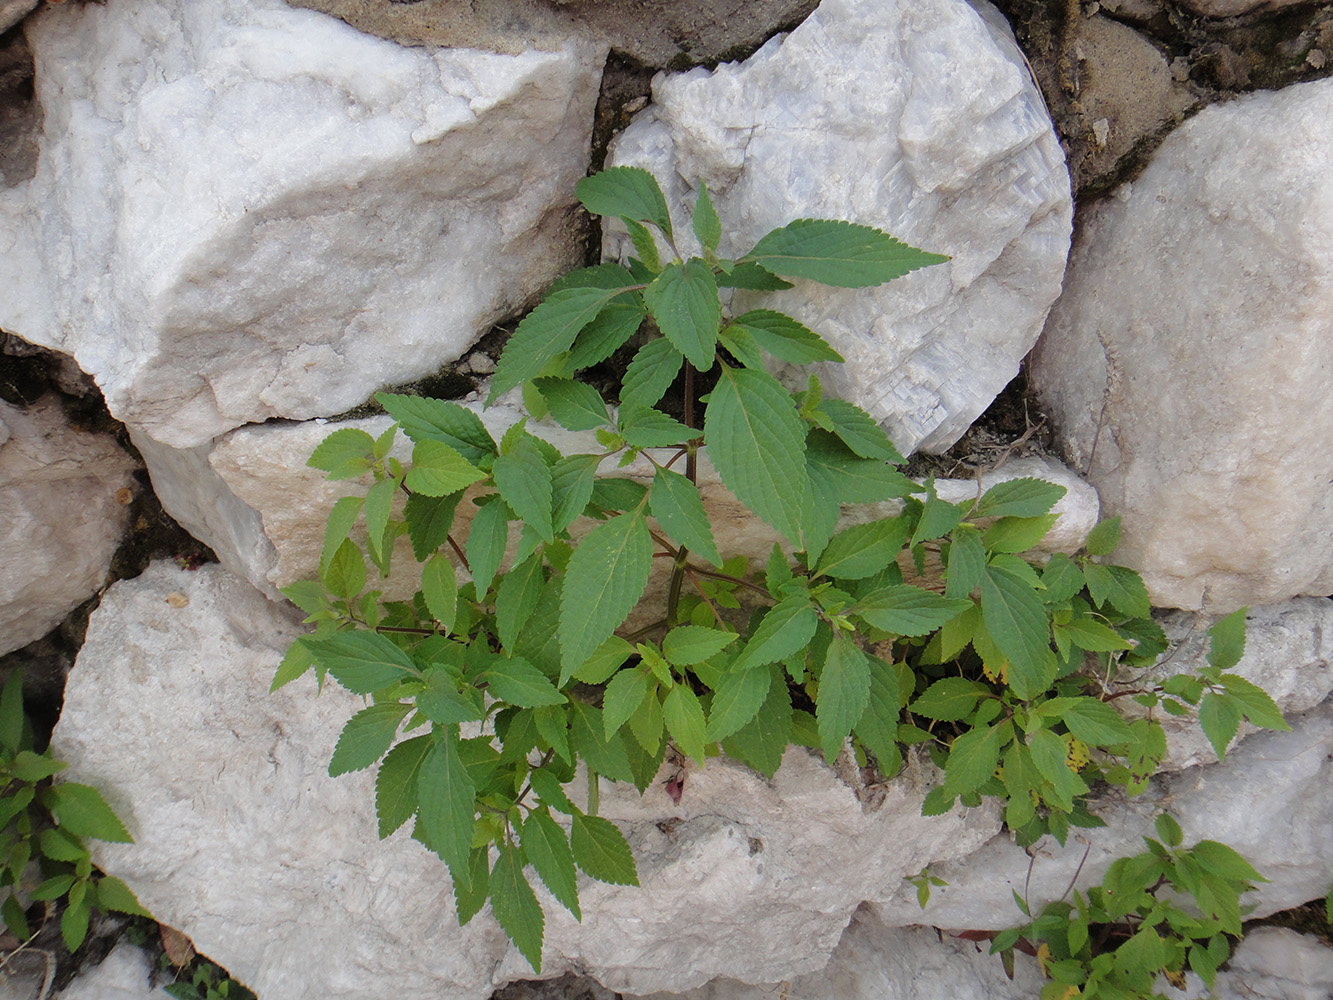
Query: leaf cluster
47	824
511	665
1154	915
207	982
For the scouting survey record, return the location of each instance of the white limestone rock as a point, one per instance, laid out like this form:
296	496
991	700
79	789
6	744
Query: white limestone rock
1186	364
273	869
1274	963
917	118
1288	653
244	211
60	517
122	975
14	11
1272	800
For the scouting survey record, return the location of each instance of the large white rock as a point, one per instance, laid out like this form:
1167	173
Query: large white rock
918	118
122	975
1186	366
244	211
60	517
273	869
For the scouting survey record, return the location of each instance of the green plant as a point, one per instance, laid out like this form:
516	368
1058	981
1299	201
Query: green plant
1115	941
985	665
208	982
47	823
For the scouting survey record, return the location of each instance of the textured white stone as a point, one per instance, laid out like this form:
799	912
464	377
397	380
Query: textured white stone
918	118
1272	800
60	521
273	869
1279	964
1288	653
122	975
1186	366
14	11
243	210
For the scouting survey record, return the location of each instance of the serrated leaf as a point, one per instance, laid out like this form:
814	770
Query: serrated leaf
644	244
588	737
601	851
439	587
1219	859
625	692
757	444
576	406
890	688
549	330
363	662
547	847
788	626
860	431
750	275
967	562
517	597
1096	723
907	610
1226	643
345	573
619	320
651	373
605	660
1169	830
1016	620
344	454
549	790
438	470
1219	717
1018	534
646	725
1020	498
572	481
850	479
61	845
1256	703
1127	592
469	901
1050	755
113	894
524	480
429	520
616	493
684	718
785	338
741	345
683	300
367	737
1094	636
516	907
950	699
396	783
844	692
762	742
425	419
81	810
605	578
486	541
838	253
518	682
738	699
643	427
1103	538
707	226
972	759
863	549
1062	579
74	925
629	191
34	767
379	505
447	807
679	508
687	645
938	517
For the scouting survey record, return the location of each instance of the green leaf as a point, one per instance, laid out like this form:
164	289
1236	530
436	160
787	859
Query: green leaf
518	682
629	191
547	847
1103	538
81	810
624	694
344	454
967	562
113	894
438	470
907	610
757	444
1256	703
575	405
1100	582
548	789
938	517
679	508
1127	592
643	427
750	275
517	597
863	549
603	583
860	431
950	699
516	907
972	759
687	645
439	587
1020	498
61	845
447	800
444	703
1096	637
890	688
486	541
604	661
1016	619
11	711
363	662
587	734
469	901
345	573
1050	754
651	373
738	699
683	300
428	521
684	718
1018	534
743	347
707	226
785	338
1227	640
367	737
619	320
34	767
74	925
850	479
1219	859
572	481
788	626
379	505
1219	717
837	253
617	493
762	742
548	331
524	481
1062	579
601	851
439	420
1169	830
1096	723
396	783
844	692
53	888
644	244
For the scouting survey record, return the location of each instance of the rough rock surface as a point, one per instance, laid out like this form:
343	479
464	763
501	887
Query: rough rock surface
14	11
1272	800
122	975
1186	364
245	844
302	213
60	519
920	119
1288	653
1278	964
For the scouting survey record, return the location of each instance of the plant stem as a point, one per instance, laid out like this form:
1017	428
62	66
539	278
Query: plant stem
692	474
